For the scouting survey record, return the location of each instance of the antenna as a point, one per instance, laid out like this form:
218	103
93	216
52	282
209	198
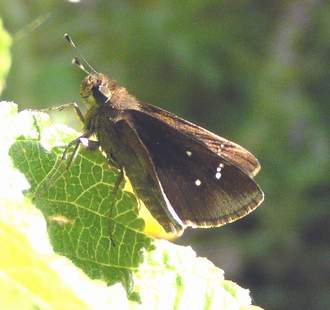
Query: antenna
76	60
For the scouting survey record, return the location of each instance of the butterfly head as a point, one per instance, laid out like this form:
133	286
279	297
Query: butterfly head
97	89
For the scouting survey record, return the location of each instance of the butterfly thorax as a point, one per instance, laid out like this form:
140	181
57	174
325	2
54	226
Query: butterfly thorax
106	100
99	90
107	103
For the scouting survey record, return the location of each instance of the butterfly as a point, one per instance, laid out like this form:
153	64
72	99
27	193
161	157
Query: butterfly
186	175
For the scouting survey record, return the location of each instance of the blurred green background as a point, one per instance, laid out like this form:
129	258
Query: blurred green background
255	72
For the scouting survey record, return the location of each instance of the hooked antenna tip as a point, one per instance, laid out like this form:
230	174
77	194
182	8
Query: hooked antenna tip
76	60
68	38
78	63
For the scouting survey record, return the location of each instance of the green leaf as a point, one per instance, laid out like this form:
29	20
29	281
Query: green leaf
81	213
90	223
5	58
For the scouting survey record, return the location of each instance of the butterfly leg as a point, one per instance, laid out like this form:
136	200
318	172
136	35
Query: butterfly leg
65	106
119	181
116	187
83	139
121	177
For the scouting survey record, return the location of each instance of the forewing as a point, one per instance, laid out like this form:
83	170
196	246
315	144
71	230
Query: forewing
203	187
129	152
232	152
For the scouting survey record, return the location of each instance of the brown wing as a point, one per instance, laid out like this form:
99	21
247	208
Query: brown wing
232	152
203	188
139	168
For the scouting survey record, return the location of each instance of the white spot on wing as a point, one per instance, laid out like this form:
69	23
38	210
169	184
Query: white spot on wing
218	173
198	182
189	153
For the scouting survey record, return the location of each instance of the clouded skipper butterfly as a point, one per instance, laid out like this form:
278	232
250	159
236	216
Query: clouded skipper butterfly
185	174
